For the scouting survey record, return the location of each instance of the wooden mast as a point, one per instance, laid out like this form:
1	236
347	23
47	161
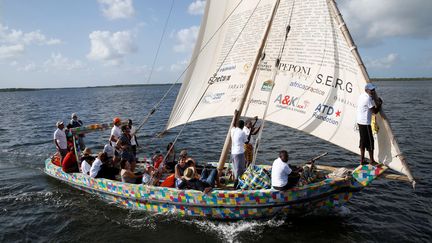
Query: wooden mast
227	143
354	51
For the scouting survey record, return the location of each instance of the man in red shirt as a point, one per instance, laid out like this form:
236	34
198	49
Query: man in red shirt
69	163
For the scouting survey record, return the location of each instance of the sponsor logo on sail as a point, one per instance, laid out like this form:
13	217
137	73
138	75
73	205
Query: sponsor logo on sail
247	66
264	66
327	113
217	79
308	88
293	68
258	102
227	67
291	103
236	86
345	101
334	82
267	85
213	98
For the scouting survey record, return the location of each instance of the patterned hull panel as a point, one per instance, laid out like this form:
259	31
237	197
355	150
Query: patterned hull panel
219	204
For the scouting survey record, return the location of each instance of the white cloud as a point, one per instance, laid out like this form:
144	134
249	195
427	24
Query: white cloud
371	21
179	66
186	39
30	67
111	47
117	9
197	7
58	62
11	51
384	62
12	36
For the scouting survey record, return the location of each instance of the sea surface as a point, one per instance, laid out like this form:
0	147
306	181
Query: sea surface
35	207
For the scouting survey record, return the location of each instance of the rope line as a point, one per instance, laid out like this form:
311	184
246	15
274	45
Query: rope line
156	106
208	86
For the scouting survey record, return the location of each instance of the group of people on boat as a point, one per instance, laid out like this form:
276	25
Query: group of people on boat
118	159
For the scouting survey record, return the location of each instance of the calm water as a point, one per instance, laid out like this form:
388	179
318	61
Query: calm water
34	207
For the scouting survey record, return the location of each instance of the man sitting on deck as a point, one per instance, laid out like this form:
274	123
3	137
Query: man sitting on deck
280	173
205	183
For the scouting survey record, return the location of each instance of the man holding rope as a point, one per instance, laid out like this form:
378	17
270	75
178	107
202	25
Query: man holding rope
368	103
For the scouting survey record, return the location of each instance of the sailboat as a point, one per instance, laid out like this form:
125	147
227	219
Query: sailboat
291	62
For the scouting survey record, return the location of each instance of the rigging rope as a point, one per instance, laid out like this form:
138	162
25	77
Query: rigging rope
275	71
156	106
209	84
160	42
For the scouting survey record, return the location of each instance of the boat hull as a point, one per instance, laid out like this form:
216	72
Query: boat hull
219	204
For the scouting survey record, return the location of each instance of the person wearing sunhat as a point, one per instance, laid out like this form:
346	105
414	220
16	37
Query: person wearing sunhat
368	103
75	122
205	183
60	139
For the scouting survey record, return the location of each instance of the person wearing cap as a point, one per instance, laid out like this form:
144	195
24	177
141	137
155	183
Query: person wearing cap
115	134
115	131
60	139
75	122
205	183
368	103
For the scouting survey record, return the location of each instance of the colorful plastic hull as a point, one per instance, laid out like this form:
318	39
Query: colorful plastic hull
219	204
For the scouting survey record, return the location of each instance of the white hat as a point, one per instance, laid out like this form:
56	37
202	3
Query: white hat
370	86
59	123
74	115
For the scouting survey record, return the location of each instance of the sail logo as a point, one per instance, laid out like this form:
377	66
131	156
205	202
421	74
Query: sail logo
327	114
334	82
291	103
267	85
227	67
292	68
213	98
217	79
264	66
308	88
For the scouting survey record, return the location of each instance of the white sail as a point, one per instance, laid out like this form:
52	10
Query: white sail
317	84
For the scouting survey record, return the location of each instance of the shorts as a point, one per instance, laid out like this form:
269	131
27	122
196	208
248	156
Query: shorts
366	137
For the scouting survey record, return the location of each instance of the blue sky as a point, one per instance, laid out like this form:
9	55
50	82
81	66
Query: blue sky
51	43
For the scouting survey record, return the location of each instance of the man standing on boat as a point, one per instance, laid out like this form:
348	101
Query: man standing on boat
75	122
238	138
368	103
60	139
250	129
115	134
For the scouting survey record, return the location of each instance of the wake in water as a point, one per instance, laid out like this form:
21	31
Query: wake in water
230	231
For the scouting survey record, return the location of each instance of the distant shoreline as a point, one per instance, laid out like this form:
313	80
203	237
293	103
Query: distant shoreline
139	85
87	87
402	79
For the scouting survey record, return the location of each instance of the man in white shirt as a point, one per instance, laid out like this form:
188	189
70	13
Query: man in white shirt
60	139
115	135
280	173
115	131
133	139
238	138
367	104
